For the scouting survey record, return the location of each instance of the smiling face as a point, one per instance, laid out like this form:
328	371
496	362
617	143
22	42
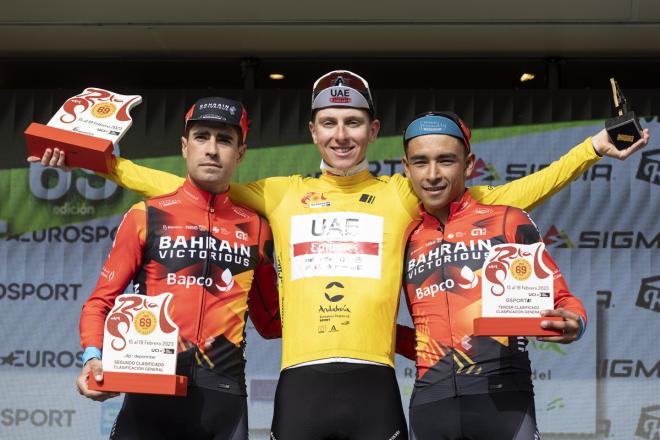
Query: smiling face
212	152
437	166
342	135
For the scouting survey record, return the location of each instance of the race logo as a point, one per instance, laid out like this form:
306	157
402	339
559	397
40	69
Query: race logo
649	294
97	112
648	426
649	167
556	238
314	200
484	172
336	244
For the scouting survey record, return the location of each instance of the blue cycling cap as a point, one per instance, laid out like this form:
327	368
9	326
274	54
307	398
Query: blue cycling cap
433	123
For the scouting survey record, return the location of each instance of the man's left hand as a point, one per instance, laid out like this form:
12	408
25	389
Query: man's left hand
569	326
604	146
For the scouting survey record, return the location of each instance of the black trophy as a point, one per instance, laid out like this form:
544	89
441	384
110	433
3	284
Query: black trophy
624	129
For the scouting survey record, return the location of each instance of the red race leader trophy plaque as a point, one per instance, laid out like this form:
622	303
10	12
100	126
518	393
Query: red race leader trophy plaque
515	287
140	348
86	127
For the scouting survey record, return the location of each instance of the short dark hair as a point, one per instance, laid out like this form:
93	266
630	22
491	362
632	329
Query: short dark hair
236	129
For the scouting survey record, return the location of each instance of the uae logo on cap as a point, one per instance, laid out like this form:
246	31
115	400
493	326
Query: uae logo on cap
340	95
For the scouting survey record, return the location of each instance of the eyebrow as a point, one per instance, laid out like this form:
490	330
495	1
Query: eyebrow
440	157
206	132
345	118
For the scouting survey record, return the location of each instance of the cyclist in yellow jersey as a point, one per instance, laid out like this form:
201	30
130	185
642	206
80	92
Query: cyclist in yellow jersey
339	243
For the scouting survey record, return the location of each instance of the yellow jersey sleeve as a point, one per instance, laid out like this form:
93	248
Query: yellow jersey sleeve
144	181
530	191
262	196
405	192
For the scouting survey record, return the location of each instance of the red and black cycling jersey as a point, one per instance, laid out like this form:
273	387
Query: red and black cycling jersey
214	256
443	291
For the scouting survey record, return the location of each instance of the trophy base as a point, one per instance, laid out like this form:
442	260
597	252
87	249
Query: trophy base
514	326
81	150
139	383
624	130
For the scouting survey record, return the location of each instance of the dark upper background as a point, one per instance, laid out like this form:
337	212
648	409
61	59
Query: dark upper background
417	55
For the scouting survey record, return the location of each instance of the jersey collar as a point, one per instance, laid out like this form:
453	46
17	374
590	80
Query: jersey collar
204	199
456	209
326	168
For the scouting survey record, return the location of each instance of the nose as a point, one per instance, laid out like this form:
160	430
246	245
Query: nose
210	148
341	135
433	174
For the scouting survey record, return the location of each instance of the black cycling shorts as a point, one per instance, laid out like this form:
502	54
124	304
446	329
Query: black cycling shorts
202	414
506	415
338	401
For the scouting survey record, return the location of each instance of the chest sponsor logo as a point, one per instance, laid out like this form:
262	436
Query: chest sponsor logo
440	253
315	200
170	202
225	283
336	244
367	198
182	247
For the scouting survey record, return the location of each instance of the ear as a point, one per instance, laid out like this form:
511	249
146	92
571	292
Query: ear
374	128
241	153
312	131
469	165
184	147
406	166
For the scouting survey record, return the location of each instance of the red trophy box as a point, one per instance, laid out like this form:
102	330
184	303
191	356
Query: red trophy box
516	286
86	128
140	348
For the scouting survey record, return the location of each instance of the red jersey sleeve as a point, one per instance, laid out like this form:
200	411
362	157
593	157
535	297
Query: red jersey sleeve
405	341
519	228
263	299
123	261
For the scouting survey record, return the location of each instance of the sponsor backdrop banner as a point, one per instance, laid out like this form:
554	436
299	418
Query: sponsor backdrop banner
56	229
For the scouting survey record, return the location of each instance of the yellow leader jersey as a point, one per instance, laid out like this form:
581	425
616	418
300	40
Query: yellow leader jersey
339	243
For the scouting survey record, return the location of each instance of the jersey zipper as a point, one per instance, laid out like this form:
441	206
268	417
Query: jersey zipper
207	268
451	327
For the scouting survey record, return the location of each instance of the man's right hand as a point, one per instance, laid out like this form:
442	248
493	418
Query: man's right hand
95	366
52	158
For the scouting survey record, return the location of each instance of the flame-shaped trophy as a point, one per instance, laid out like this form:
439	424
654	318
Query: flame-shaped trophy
140	348
515	286
86	128
624	129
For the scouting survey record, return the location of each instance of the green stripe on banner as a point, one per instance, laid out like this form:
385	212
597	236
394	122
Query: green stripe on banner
22	211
